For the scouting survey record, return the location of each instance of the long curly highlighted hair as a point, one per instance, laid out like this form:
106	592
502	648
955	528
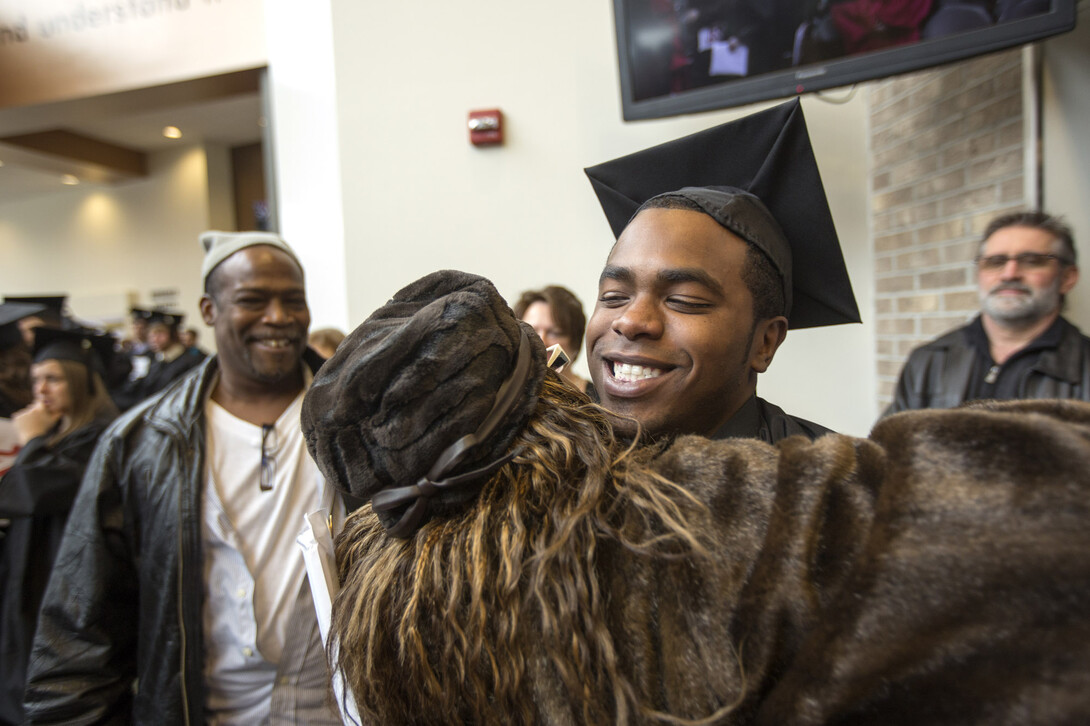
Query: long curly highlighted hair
442	628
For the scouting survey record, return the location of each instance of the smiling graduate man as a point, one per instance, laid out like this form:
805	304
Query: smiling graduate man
724	242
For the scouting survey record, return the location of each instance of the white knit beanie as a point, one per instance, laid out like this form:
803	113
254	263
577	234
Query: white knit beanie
218	246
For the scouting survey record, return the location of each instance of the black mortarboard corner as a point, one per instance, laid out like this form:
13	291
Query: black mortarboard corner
10	315
140	313
420	404
768	155
92	348
53	307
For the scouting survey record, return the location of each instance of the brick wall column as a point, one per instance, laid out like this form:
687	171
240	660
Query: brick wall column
947	155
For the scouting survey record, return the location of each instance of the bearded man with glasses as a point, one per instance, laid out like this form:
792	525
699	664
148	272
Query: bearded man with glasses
1019	346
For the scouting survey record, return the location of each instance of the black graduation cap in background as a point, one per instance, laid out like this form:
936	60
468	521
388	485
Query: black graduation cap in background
140	313
10	315
767	154
52	306
166	317
92	348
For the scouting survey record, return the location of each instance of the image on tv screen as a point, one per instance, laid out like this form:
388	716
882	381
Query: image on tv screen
675	47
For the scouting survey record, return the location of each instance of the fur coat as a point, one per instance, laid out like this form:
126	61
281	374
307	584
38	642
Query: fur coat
935	573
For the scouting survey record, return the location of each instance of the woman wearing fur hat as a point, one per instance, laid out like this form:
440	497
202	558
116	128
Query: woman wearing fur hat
518	563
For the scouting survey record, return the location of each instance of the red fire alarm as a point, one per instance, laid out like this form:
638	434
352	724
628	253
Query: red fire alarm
486	127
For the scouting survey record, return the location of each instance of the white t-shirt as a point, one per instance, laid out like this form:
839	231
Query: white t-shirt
253	568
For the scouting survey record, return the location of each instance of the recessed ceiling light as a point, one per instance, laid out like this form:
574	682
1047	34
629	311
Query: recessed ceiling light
69	179
172	132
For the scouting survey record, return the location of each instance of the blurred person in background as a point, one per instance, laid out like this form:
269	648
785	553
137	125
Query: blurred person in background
556	315
1019	346
170	360
137	342
15	390
52	314
57	433
190	338
136	346
325	341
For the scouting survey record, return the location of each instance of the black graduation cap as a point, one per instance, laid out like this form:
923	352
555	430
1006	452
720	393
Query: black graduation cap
52	306
10	315
768	155
92	348
166	317
140	313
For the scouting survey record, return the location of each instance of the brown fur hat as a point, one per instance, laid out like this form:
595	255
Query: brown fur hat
418	375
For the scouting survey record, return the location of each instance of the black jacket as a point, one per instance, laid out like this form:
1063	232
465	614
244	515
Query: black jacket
938	374
35	495
134	537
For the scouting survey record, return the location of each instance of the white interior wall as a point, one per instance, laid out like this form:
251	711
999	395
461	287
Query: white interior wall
418	197
107	246
1065	149
305	151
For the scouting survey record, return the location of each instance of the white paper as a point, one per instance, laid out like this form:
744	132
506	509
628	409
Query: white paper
729	59
140	366
318	555
704	38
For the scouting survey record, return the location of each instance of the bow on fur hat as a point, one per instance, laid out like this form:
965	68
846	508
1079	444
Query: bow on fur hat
421	402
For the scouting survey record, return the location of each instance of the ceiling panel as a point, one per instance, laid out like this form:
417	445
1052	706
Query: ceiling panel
224	110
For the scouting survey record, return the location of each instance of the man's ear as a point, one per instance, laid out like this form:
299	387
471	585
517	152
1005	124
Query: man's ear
768	334
208	309
1069	277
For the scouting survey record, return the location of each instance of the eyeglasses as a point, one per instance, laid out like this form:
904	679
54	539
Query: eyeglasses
268	462
1024	260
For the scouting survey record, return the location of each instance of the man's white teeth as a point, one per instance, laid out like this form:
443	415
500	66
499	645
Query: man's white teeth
627	372
276	342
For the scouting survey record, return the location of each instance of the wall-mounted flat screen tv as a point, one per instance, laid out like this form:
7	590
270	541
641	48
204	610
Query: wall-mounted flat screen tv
684	56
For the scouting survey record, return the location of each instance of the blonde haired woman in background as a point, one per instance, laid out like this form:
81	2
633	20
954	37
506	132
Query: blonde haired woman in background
57	432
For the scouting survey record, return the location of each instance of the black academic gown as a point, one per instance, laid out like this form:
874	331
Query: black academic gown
36	495
161	374
756	419
759	419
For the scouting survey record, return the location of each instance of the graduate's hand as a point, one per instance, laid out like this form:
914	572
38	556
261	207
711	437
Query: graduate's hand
33	421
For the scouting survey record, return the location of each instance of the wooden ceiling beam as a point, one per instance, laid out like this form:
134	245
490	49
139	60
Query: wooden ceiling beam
68	152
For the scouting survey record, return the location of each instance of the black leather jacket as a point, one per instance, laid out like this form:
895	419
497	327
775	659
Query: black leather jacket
119	637
937	374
